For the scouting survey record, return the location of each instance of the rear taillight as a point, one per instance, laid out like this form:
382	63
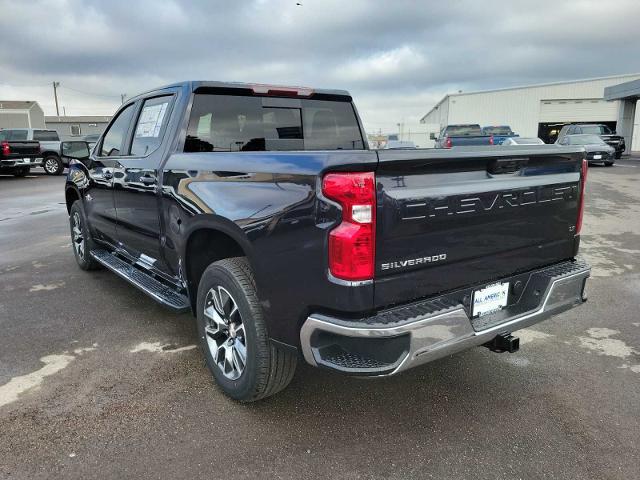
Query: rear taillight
491	141
447	142
352	244
583	182
6	149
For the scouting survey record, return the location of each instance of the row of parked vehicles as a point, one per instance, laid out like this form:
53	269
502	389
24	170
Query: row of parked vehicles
601	144
24	148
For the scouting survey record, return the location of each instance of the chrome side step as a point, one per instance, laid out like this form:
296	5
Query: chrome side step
155	289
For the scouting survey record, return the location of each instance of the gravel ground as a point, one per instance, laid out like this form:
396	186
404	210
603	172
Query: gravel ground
97	381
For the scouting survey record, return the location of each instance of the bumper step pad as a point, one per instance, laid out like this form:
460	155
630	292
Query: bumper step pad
160	292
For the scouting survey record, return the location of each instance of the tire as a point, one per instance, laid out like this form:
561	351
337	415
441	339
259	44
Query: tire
268	367
22	172
608	164
80	232
618	155
52	165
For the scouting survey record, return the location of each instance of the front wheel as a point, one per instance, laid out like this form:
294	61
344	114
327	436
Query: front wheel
233	334
81	239
52	165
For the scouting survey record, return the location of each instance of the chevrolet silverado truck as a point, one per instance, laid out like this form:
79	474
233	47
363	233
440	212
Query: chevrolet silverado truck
462	136
50	159
17	153
262	211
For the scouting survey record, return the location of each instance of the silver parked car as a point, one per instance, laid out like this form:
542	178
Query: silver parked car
597	150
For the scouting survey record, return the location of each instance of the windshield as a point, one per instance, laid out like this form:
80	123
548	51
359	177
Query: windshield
596	129
462	130
232	123
585	140
497	130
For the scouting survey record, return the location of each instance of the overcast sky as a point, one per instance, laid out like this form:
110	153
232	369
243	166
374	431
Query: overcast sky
397	58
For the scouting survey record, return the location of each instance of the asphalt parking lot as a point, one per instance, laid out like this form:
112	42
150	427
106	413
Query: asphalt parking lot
98	381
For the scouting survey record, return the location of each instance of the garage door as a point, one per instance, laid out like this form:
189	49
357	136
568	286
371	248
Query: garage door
583	110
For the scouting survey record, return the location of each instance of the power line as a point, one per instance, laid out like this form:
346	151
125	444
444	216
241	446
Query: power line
91	94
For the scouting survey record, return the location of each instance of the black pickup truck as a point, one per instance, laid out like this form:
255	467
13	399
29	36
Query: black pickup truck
17	154
262	211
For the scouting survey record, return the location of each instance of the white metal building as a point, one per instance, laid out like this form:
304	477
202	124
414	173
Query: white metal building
541	110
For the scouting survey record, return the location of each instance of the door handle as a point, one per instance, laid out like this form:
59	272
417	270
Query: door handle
107	175
148	179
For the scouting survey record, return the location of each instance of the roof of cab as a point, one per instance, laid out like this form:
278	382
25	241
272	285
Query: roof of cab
193	85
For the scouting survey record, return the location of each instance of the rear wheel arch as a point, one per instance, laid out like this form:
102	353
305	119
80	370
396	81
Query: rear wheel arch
203	247
50	153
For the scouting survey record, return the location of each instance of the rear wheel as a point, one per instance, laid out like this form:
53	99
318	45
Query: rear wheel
81	239
233	335
52	165
608	164
21	172
619	155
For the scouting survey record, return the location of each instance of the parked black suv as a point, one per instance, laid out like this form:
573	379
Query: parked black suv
604	132
261	210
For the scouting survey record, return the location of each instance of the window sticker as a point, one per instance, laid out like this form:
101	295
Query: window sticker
151	120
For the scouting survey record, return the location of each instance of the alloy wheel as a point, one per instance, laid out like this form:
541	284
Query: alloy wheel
51	165
77	236
225	333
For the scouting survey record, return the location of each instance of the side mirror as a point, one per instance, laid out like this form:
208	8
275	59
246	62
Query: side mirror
76	150
432	136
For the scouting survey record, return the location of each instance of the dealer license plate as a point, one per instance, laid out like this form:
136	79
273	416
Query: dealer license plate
490	299
597	157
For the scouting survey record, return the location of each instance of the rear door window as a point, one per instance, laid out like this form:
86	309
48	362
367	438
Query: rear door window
150	126
45	135
227	123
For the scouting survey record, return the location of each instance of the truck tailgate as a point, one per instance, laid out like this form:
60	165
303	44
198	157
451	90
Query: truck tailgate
448	219
23	148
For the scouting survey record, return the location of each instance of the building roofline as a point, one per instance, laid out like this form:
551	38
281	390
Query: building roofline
535	85
77	118
435	107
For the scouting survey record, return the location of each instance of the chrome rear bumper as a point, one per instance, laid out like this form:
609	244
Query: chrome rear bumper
387	343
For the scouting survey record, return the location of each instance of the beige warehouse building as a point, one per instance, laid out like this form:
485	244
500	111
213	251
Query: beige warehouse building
21	114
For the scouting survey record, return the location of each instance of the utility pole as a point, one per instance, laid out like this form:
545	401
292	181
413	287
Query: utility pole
64	111
123	96
55	95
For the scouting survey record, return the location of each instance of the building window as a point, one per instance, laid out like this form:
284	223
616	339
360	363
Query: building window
75	130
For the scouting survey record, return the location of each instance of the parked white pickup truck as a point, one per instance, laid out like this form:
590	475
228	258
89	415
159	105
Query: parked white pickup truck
51	160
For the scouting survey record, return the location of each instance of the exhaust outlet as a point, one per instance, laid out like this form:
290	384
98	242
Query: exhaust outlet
504	342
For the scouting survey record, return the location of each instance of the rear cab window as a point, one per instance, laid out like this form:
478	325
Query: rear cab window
232	123
463	130
9	135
